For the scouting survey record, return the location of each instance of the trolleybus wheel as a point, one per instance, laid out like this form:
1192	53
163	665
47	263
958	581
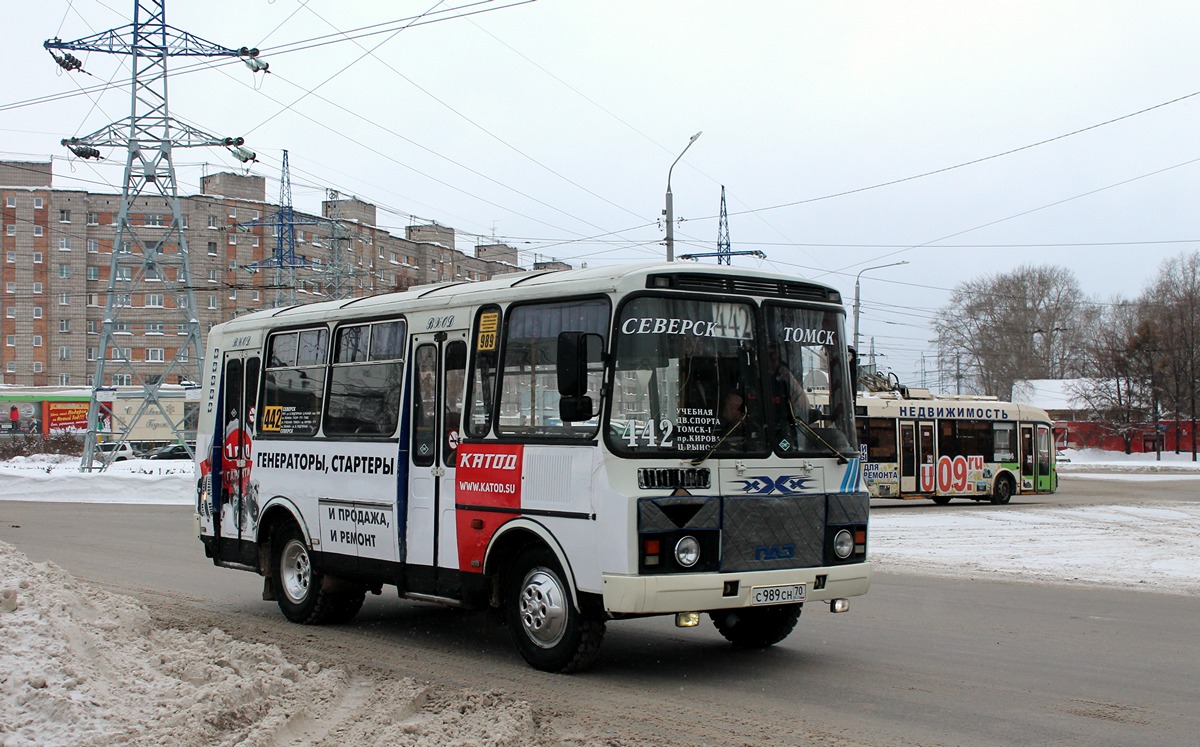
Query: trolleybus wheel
1003	490
299	584
941	500
756	627
549	632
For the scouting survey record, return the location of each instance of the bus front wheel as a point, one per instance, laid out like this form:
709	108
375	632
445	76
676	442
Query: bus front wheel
549	632
756	627
1003	491
299	585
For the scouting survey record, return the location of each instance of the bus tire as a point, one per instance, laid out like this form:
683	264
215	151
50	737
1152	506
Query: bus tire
298	583
941	500
549	632
756	627
1002	491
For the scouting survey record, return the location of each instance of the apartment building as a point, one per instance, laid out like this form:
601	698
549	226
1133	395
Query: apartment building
57	257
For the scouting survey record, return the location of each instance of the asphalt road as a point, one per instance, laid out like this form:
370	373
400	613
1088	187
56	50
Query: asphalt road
918	661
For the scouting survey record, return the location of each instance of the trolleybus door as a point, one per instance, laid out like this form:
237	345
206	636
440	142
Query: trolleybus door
918	458
235	500
438	374
908	457
927	457
1045	452
1029	457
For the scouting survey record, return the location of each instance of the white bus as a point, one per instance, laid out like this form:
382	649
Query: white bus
915	445
549	443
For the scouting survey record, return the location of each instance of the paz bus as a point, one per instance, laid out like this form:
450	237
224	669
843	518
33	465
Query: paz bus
915	445
567	447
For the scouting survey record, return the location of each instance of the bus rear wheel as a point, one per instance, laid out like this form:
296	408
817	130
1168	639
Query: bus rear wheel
299	585
549	632
756	627
1002	492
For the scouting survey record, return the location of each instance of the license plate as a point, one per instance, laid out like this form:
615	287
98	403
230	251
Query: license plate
789	594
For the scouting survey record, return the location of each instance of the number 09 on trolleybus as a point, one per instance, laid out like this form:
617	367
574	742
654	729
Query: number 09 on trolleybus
569	448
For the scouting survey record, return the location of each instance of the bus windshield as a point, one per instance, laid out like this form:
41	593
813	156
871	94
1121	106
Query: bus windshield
694	378
686	379
808	391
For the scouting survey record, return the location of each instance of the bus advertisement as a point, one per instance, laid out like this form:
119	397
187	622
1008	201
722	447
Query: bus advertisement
569	448
950	446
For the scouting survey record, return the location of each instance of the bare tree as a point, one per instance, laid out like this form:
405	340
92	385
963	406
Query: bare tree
1118	393
1031	323
1173	304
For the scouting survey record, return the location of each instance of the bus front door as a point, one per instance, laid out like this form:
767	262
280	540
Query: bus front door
438	377
235	495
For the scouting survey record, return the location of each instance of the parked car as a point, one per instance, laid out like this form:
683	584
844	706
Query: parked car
173	451
114	452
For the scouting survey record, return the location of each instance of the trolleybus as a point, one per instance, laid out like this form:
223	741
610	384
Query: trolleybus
568	447
915	445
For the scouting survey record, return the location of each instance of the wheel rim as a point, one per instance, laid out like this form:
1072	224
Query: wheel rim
542	607
295	571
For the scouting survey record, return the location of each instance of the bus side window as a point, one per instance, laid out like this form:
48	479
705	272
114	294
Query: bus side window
482	385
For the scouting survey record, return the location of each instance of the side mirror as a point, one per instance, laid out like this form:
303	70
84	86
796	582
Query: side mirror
577	353
853	355
575	409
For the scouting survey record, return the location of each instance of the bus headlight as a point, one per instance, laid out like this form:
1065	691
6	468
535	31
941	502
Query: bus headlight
843	544
687	551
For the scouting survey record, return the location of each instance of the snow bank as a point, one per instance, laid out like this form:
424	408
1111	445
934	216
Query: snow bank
56	478
82	666
1153	547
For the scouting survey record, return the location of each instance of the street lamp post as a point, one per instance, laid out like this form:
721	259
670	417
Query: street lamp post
670	211
856	290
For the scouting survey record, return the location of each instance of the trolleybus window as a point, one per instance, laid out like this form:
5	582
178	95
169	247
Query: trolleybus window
294	385
529	380
686	379
366	380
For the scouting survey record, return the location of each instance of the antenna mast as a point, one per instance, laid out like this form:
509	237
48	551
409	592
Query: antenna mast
157	254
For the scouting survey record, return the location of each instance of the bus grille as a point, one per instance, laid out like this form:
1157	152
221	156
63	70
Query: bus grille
773	532
671	478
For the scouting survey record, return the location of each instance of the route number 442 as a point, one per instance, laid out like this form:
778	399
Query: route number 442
663	435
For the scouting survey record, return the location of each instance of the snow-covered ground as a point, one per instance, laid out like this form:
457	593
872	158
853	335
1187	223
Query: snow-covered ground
80	666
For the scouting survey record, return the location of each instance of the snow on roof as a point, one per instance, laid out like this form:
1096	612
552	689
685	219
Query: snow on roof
1049	394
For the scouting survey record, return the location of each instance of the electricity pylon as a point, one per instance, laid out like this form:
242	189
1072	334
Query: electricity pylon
723	246
156	254
283	261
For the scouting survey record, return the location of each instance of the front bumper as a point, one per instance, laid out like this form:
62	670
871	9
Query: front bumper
692	592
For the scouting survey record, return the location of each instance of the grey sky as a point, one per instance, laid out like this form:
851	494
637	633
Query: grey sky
552	122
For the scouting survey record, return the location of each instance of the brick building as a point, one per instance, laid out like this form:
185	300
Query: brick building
57	251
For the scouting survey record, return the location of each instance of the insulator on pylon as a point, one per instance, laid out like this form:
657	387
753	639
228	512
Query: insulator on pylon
256	65
243	154
81	150
67	61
